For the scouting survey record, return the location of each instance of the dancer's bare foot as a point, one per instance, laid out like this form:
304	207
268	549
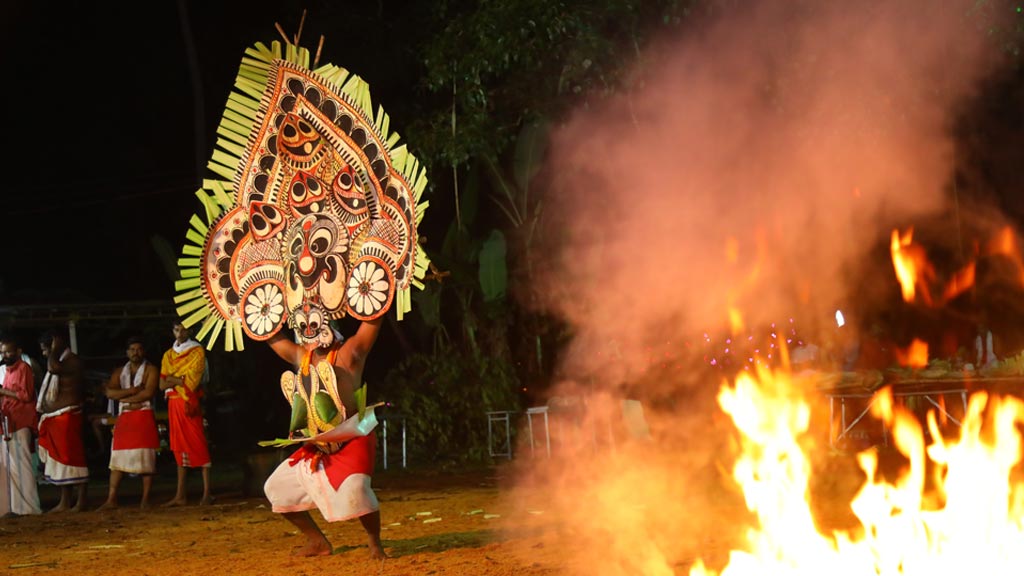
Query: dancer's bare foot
377	549
108	505
174	503
77	508
319	547
58	508
144	505
207	501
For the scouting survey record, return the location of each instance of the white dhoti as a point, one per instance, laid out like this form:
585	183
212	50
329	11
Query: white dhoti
297	489
18	492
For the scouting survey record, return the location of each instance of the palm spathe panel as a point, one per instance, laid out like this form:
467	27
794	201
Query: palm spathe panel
314	214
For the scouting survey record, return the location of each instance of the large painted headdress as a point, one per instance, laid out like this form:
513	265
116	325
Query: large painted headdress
316	212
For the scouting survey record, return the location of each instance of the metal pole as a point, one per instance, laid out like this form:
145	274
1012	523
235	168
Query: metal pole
7	454
72	336
831	420
508	436
547	433
842	405
529	422
385	422
490	441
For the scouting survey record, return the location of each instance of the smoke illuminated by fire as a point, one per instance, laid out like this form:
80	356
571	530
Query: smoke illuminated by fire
760	158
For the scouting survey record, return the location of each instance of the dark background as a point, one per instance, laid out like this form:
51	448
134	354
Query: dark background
110	117
111	113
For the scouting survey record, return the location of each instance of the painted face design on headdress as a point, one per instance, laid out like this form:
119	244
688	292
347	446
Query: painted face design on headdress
319	220
315	270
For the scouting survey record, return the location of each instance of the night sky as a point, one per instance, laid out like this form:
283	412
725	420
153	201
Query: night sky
110	127
112	130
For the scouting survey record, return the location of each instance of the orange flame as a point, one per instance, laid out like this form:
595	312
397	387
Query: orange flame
735	320
914	356
973	522
1005	243
911	265
959	283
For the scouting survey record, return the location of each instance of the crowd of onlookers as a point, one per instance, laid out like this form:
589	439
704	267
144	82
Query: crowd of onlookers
45	422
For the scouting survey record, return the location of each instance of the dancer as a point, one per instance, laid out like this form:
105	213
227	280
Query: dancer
333	477
320	223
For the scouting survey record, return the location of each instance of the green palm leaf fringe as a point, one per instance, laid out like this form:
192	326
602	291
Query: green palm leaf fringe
219	196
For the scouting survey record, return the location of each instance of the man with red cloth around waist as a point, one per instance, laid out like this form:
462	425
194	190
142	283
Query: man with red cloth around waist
135	442
330	477
61	421
181	373
18	492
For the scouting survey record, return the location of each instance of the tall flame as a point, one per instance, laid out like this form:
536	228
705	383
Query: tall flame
972	522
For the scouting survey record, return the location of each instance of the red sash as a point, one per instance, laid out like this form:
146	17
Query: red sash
357	456
135	429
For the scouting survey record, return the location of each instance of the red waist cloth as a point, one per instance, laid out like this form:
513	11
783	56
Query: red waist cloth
188	438
61	436
135	429
357	456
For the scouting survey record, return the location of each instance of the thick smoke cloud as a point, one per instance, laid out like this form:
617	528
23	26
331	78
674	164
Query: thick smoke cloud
758	160
755	162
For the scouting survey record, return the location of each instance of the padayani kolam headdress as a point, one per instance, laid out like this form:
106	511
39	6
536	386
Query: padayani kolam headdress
316	215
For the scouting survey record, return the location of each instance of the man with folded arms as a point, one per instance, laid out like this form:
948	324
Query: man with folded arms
135	442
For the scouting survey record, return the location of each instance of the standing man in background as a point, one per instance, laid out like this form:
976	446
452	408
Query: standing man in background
18	492
181	373
61	448
135	442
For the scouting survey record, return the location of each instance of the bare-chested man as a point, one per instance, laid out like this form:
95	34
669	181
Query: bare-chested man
61	449
135	442
335	479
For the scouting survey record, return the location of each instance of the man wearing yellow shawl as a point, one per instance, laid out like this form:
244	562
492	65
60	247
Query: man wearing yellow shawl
181	373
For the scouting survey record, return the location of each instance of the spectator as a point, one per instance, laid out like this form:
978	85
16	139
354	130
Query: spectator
135	438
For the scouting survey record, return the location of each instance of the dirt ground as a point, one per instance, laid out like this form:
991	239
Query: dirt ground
467	522
433	523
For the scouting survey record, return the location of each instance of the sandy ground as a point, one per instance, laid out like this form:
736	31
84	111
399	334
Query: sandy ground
468	522
433	523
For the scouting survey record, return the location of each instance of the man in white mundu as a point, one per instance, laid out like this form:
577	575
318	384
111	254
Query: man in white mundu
135	442
18	493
